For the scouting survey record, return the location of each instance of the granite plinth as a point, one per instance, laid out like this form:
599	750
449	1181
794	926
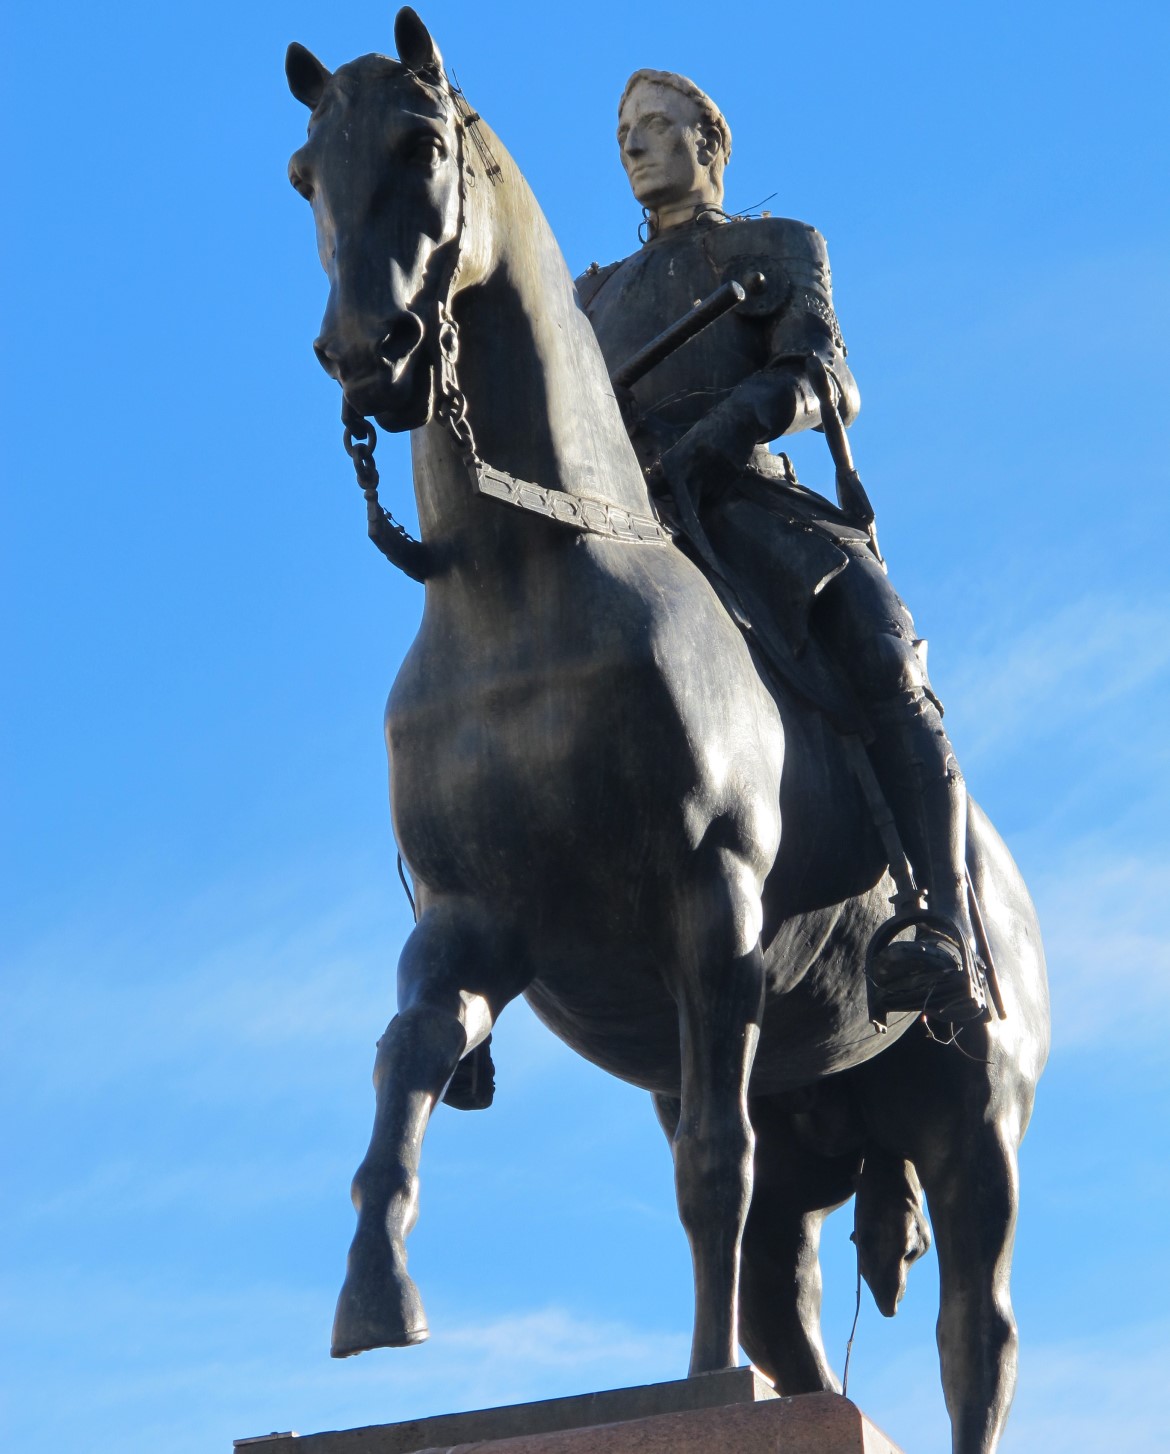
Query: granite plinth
715	1414
611	1406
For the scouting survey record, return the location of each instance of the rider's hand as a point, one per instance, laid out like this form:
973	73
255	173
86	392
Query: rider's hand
697	465
627	404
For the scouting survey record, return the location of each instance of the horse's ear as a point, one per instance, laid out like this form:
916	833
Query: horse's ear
307	77
416	50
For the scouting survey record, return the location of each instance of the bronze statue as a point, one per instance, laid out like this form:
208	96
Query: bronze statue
613	802
701	421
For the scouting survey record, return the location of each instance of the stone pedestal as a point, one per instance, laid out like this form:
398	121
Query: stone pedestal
719	1413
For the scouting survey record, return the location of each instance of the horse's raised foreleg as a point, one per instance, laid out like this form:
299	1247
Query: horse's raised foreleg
717	978
457	971
973	1196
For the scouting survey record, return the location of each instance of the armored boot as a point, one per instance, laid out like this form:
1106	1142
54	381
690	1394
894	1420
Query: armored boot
937	971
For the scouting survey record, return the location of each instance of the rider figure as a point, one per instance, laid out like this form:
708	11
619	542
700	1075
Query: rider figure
700	422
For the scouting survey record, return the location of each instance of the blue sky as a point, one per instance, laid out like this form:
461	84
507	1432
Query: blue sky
201	915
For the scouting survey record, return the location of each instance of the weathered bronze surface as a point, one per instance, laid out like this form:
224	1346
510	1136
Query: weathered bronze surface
627	776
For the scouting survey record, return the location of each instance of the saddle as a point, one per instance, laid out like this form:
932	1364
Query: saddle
772	608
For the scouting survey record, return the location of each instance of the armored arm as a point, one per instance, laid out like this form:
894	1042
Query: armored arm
795	312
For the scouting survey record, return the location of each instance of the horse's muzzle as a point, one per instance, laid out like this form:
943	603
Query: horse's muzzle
388	349
380	377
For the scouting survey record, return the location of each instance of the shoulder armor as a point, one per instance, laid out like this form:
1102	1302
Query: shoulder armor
592	280
791	255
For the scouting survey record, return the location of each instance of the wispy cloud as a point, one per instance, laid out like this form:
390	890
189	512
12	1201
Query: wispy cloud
227	1364
553	1338
1058	672
1104	925
236	1187
1093	1396
253	979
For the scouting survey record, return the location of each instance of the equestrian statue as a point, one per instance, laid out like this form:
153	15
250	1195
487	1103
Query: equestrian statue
664	756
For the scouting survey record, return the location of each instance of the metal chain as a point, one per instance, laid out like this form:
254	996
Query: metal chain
452	402
360	437
359	440
392	539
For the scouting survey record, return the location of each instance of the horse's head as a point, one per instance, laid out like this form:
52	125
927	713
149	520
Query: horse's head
381	168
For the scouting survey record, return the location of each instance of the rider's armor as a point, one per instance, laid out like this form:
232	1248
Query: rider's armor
784	319
815	568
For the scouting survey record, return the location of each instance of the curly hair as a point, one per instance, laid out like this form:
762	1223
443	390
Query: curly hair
709	114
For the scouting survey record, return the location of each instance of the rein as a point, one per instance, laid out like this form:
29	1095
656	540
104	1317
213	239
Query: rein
583	513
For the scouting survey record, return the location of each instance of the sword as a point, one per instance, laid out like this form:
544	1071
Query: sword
701	316
851	495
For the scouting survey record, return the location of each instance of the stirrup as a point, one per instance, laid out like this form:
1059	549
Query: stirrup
946	994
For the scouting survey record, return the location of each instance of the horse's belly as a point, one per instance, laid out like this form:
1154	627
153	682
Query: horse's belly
608	1002
607	999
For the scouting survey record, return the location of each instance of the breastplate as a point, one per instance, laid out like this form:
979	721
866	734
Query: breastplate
633	302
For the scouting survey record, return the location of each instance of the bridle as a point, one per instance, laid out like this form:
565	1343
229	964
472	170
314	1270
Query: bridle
578	512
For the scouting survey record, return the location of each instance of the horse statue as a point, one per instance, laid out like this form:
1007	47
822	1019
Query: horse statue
603	804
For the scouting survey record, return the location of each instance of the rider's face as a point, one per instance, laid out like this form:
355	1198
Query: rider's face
664	149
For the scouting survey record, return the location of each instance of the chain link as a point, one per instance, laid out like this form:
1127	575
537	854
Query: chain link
392	539
360	436
452	401
361	451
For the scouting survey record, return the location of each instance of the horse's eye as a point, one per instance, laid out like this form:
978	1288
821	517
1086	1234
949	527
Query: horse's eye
426	151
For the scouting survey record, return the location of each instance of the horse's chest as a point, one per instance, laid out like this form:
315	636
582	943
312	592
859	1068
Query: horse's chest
505	770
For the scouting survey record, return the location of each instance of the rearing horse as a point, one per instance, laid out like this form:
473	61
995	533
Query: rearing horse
602	805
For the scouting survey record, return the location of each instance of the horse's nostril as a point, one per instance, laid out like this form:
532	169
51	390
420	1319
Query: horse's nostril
327	360
401	339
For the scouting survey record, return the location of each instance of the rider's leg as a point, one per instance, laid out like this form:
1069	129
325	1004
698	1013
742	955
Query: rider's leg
458	970
915	764
866	627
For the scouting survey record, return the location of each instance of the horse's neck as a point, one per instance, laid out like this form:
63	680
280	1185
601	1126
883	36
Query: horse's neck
538	397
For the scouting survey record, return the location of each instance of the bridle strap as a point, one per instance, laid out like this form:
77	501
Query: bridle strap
583	513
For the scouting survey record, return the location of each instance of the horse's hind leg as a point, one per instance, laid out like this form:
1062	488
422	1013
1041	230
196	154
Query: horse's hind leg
717	979
780	1298
972	1193
780	1270
457	971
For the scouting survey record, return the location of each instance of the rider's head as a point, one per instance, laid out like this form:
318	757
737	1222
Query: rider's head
674	143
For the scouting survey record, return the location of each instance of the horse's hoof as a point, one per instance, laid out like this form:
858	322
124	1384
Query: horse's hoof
383	1311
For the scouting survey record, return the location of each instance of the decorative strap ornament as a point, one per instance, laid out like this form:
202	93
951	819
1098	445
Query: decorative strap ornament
579	512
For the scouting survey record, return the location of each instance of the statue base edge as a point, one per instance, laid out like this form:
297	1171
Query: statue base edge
712	1414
